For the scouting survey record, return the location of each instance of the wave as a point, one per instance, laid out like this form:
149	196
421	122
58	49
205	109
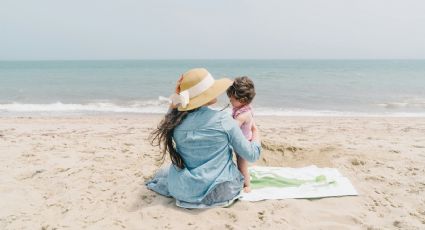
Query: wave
331	113
160	106
63	108
416	103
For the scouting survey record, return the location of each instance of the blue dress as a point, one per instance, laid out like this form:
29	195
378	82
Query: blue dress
205	140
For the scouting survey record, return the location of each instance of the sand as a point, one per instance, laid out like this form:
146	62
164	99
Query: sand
89	172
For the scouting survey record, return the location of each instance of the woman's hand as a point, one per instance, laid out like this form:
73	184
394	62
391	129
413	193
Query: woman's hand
176	90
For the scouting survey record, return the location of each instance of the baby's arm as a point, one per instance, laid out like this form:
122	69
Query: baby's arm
243	117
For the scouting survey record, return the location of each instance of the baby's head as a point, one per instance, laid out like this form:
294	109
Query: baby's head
241	92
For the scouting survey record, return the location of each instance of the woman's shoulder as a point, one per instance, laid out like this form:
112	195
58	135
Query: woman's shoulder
218	114
205	117
220	117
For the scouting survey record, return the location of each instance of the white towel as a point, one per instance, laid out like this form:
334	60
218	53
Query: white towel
308	182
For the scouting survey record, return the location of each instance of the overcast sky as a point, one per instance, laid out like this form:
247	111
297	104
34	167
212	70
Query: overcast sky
186	29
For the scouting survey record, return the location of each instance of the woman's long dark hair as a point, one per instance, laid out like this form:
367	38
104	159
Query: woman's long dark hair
162	136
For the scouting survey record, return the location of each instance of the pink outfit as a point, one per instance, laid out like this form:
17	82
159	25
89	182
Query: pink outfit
247	125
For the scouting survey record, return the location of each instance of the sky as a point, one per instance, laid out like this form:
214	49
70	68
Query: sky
219	29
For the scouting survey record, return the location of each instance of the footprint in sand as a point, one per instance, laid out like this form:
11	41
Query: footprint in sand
48	227
397	224
228	226
357	162
261	215
30	175
232	216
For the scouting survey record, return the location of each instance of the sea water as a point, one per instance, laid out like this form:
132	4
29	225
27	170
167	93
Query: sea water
284	87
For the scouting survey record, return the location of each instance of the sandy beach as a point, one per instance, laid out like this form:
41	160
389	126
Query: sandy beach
89	172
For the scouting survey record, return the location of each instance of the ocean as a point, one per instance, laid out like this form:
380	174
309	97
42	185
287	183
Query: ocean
284	87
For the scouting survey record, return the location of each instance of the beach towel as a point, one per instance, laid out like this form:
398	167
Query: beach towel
308	182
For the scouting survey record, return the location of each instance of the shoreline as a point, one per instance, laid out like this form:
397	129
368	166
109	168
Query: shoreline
140	115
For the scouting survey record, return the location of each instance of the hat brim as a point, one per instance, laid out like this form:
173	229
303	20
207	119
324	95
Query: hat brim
219	87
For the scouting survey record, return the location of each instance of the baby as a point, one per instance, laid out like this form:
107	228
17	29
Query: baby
240	95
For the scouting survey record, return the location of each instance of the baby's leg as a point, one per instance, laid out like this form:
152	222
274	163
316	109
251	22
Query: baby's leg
243	167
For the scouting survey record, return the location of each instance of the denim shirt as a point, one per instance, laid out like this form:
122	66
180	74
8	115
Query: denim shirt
205	140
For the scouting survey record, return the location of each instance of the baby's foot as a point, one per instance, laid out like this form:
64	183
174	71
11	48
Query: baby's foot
247	189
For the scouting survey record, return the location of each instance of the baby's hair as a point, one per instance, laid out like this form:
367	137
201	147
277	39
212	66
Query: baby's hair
242	89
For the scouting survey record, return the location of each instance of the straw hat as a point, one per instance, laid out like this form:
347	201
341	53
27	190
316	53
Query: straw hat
197	88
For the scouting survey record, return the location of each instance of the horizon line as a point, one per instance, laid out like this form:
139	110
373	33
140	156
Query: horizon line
216	59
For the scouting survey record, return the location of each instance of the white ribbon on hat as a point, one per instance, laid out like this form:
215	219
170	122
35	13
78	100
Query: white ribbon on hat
184	97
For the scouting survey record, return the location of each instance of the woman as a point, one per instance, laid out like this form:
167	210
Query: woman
200	142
